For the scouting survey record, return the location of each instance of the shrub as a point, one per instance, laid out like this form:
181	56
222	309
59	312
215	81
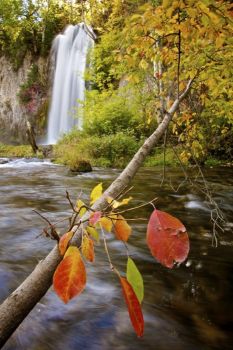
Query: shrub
111	150
112	112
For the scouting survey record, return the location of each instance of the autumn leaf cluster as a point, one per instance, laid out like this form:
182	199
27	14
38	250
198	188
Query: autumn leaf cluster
167	240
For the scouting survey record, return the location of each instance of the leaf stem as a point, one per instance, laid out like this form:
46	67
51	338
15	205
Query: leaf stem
112	267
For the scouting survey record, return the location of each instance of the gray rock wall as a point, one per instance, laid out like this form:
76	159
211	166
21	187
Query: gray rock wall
13	114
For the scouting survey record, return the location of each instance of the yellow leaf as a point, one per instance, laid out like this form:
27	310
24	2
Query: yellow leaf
143	64
117	204
96	193
219	41
80	207
109	200
88	249
106	223
113	217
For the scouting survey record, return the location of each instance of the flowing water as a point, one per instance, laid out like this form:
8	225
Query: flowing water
189	307
70	50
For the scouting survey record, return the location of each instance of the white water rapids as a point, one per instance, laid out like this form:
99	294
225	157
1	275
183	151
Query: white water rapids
70	50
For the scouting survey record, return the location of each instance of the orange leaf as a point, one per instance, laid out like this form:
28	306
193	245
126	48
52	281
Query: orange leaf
134	307
69	278
95	217
122	229
88	249
64	241
167	238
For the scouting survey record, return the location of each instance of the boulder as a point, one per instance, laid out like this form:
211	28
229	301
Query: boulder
47	150
82	166
4	160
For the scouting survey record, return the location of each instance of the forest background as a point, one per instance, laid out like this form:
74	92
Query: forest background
145	53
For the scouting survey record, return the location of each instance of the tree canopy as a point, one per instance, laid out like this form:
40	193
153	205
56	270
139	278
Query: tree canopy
155	47
144	54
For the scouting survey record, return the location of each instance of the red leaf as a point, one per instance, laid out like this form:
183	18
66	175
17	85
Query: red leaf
134	307
167	238
69	278
95	217
88	249
122	229
64	241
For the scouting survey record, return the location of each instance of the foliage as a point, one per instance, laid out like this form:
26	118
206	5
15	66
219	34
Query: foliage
157	157
166	238
156	46
32	25
110	150
204	30
105	115
114	128
69	155
16	151
122	110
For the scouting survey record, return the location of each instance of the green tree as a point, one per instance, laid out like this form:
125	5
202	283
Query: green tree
157	46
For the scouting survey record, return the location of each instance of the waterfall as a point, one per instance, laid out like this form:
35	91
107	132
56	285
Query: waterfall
70	50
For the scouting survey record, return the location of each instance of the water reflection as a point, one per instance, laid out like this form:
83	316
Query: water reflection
189	307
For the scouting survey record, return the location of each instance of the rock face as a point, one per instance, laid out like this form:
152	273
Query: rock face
13	114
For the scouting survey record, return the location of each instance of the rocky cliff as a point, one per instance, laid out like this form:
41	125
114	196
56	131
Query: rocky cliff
23	96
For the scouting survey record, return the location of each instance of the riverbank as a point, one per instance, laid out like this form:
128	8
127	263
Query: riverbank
71	155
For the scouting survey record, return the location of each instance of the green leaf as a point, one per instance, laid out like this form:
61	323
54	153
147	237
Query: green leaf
134	277
94	234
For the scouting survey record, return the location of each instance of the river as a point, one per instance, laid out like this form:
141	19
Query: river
188	307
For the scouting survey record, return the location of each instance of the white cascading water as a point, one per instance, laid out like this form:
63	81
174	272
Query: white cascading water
70	51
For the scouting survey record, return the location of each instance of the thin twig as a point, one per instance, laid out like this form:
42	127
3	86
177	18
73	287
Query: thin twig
106	249
137	207
42	216
127	249
53	233
164	157
71	204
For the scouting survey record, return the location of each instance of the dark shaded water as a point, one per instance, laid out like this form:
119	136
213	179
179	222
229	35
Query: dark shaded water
189	307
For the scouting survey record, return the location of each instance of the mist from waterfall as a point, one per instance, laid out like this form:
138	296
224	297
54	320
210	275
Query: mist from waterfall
70	50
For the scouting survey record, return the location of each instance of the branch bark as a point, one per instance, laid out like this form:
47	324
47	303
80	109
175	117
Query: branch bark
18	305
